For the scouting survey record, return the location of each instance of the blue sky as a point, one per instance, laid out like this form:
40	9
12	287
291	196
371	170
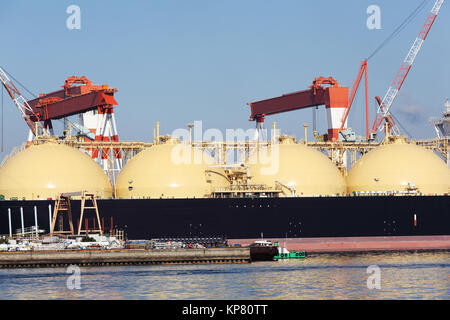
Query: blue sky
180	61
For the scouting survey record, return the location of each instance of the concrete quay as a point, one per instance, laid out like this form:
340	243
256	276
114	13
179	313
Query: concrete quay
96	257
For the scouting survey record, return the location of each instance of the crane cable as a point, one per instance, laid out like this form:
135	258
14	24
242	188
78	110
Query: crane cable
9	75
399	28
403	127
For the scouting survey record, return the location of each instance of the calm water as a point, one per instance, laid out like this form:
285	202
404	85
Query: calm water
424	275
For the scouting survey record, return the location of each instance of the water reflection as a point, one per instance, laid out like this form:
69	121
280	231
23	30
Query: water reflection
423	275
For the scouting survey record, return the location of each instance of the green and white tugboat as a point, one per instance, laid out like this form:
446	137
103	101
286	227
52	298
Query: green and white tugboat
284	253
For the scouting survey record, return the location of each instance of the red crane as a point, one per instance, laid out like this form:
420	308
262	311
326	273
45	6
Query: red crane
71	100
362	70
78	99
334	97
386	103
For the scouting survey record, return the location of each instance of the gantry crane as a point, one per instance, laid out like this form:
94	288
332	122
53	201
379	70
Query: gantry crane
36	115
94	101
333	96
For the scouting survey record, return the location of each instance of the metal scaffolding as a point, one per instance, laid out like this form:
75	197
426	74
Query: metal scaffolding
220	150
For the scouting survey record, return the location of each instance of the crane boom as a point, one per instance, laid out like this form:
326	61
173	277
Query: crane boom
362	70
334	97
390	95
20	102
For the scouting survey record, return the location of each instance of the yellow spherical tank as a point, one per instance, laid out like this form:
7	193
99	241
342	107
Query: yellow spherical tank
399	167
297	169
170	170
43	171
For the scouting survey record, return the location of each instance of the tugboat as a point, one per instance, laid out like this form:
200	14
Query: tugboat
284	253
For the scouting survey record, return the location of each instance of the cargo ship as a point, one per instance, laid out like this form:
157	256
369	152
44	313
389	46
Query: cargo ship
156	195
282	189
173	187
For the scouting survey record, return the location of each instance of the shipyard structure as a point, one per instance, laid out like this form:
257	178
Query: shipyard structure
337	185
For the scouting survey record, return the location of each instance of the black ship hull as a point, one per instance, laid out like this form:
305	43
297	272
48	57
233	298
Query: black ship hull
247	218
